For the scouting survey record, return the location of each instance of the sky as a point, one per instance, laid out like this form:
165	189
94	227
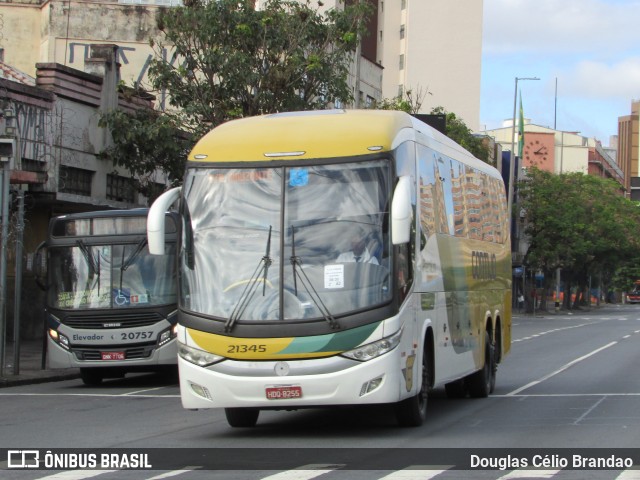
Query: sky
590	48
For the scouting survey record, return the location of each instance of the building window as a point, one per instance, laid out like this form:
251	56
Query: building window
403	4
75	180
400	91
120	188
402	30
401	62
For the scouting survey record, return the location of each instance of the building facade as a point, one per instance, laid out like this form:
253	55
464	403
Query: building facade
52	122
558	152
629	149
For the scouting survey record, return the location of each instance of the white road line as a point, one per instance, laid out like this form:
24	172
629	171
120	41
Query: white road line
550	331
305	472
529	474
629	475
414	472
561	369
75	474
106	395
589	410
173	473
141	391
566	395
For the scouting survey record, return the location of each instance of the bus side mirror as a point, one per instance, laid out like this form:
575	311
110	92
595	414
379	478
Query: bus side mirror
40	266
401	212
155	220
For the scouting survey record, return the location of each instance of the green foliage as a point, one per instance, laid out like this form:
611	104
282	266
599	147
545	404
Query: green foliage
145	142
229	60
458	131
579	223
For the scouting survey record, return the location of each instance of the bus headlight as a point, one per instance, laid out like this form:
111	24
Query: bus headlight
375	349
197	356
59	338
168	335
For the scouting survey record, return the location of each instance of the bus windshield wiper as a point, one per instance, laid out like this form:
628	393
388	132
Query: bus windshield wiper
308	285
89	258
126	264
250	288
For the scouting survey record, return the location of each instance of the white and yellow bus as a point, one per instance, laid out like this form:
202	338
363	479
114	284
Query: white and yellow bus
274	310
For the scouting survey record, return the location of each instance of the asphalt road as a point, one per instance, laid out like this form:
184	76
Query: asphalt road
571	382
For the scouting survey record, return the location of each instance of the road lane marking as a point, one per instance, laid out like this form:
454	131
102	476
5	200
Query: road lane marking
105	395
561	369
414	472
551	331
529	474
173	473
75	474
305	472
589	410
629	475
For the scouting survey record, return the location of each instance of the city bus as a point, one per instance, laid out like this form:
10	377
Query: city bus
111	306
272	315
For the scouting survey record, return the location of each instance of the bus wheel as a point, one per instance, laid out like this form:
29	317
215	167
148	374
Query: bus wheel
481	383
91	376
412	412
242	417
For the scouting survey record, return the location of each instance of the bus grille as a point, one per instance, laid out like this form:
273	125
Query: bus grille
130	353
112	320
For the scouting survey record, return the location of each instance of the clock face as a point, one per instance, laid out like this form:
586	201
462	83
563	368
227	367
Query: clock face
535	151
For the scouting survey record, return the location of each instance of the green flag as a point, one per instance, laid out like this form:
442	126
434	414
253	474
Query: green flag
520	129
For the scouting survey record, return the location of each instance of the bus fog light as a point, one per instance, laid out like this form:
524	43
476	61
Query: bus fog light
197	356
167	336
200	390
371	385
64	341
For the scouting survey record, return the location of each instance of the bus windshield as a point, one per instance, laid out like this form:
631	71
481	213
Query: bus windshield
287	243
111	276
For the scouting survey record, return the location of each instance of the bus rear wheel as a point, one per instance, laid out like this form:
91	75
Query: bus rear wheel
482	383
412	412
242	417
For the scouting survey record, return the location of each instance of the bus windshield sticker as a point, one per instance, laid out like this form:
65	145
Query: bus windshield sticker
334	276
298	177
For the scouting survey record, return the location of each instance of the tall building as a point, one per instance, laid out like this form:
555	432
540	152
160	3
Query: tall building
433	47
629	149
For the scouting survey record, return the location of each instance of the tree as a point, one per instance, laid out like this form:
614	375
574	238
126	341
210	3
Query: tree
146	142
579	223
229	60
455	128
458	131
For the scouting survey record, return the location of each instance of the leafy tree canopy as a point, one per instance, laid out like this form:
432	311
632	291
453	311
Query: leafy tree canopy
229	60
579	223
221	60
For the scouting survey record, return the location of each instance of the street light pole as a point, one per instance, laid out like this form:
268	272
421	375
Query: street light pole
513	146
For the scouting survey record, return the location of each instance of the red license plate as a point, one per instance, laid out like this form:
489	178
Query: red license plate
112	355
284	392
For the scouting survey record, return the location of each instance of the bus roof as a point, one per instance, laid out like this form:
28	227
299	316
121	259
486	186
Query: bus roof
302	135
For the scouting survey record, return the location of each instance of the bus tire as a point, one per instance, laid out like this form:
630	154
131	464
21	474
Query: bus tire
412	411
482	382
91	376
242	417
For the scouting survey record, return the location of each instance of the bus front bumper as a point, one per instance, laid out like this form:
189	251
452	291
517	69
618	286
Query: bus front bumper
264	385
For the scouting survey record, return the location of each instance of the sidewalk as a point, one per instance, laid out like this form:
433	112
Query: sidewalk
30	366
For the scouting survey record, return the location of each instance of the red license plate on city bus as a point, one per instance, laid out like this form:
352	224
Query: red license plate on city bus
284	392
112	355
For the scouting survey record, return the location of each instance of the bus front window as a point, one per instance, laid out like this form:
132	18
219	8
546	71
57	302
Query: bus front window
277	243
111	276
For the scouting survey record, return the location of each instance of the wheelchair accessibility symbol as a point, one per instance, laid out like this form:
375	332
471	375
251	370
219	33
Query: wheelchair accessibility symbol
121	296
